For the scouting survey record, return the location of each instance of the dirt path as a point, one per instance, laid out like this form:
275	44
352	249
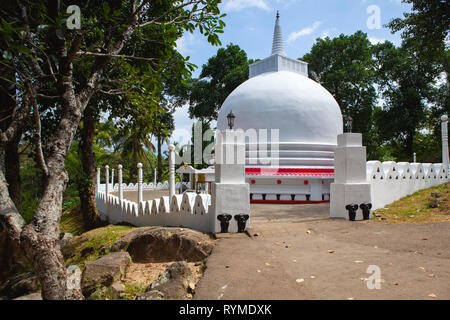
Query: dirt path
302	254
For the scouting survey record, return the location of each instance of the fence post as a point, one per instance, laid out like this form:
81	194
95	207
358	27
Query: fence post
107	191
140	198
119	172
171	171
98	180
154	182
444	129
112	180
107	181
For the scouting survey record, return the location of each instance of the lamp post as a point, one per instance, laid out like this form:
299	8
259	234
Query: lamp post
348	123
230	118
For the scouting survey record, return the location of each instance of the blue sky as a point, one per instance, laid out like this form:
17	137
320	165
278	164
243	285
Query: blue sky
250	23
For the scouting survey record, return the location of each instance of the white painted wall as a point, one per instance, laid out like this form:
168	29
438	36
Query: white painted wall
391	181
194	213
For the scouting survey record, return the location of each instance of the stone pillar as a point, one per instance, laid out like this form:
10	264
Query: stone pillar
106	180
119	173
154	178
350	183
140	196
444	129
112	179
171	171
230	194
414	158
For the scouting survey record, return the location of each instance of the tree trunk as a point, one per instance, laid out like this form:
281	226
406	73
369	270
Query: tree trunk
159	175
12	163
87	185
13	172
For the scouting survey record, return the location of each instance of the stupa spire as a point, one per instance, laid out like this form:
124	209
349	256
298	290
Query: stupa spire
278	44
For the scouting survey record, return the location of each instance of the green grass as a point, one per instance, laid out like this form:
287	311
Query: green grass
93	244
72	222
130	293
415	207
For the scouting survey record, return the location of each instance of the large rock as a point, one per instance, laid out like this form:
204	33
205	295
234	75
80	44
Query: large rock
174	283
158	244
33	296
104	271
19	285
64	239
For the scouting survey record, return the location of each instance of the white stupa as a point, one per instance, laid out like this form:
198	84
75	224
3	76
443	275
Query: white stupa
279	95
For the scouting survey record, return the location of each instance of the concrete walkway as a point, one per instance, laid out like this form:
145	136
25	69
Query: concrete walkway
300	253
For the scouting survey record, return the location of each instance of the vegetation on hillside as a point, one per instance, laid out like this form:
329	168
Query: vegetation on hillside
418	207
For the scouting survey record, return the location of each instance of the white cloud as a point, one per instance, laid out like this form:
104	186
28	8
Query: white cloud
183	126
325	33
187	43
303	32
237	5
376	40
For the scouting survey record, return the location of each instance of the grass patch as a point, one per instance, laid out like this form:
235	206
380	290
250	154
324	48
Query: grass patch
72	222
107	293
93	244
416	207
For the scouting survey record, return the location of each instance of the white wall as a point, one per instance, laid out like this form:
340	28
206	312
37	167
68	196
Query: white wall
391	181
193	214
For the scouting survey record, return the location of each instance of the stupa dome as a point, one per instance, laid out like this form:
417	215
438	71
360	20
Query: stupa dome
279	95
302	110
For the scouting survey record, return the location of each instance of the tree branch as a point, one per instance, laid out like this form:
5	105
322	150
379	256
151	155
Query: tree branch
37	121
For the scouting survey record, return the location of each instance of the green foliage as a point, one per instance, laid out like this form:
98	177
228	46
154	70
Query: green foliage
223	73
426	29
71	221
344	66
130	89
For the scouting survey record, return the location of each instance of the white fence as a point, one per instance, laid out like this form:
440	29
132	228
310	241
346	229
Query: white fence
145	186
391	181
189	210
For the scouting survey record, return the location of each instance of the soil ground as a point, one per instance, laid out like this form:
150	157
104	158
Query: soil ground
300	253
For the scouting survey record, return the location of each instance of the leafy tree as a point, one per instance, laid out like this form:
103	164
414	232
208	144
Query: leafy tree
344	66
425	34
426	29
407	87
223	73
57	72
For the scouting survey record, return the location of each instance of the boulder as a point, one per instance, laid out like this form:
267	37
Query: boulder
73	277
33	296
174	283
118	288
64	239
19	285
433	203
118	245
151	295
104	271
158	244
